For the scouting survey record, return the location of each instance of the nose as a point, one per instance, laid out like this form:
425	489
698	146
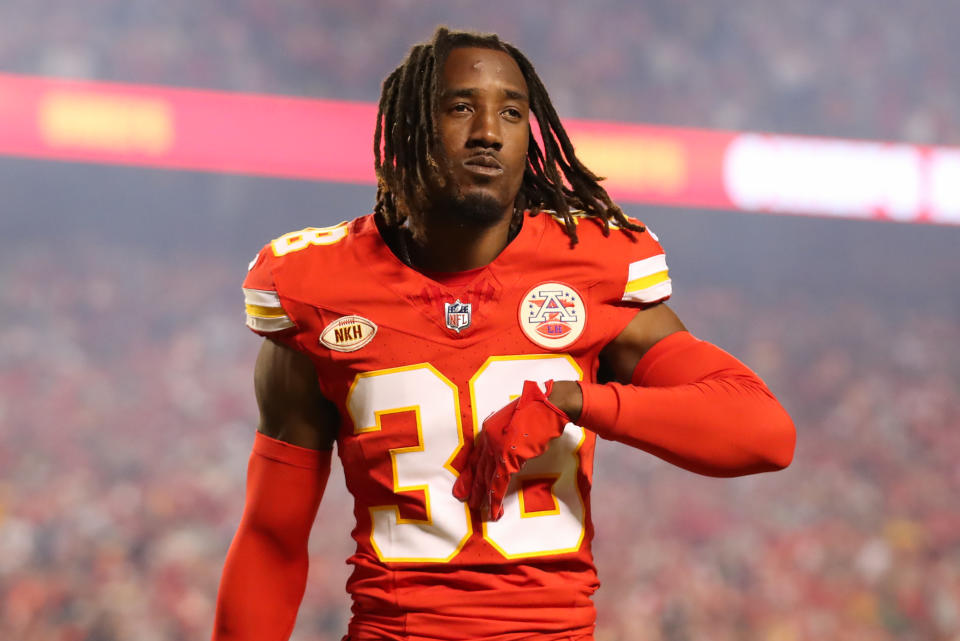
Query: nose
485	132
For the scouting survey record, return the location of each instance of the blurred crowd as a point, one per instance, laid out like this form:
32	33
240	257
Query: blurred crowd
127	415
857	68
126	404
858	539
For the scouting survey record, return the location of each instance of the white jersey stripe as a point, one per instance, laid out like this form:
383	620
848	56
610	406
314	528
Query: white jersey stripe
269	324
652	294
261	297
647	266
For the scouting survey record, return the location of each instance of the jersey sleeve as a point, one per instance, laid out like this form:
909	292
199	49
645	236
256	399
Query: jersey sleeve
265	312
635	276
647	276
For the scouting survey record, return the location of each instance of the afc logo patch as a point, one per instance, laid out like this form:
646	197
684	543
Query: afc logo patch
553	315
458	315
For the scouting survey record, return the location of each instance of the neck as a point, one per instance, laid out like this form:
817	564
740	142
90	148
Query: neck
456	246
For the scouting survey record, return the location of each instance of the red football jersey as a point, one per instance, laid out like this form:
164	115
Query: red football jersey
414	366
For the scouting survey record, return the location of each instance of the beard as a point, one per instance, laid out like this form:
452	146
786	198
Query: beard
482	210
450	205
474	210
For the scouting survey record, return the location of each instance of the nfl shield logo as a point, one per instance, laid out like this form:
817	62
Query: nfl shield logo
457	315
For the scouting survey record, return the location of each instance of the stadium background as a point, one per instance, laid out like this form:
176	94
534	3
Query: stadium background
126	405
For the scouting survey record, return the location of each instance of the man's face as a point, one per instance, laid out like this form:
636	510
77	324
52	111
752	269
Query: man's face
483	118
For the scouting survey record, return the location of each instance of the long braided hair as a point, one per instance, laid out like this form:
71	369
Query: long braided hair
406	140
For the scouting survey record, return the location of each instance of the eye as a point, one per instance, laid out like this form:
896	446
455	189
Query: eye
513	113
460	107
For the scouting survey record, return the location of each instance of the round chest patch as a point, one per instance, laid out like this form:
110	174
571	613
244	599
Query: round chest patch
552	315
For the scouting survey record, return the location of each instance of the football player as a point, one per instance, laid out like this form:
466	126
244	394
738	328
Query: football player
464	346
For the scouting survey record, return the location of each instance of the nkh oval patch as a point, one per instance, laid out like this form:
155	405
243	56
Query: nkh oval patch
348	333
553	315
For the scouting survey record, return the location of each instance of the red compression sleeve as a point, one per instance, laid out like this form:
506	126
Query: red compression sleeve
696	406
265	573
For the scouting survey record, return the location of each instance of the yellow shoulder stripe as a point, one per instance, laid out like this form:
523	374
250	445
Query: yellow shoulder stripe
644	282
265	312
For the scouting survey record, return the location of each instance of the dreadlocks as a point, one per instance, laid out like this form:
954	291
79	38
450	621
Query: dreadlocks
406	140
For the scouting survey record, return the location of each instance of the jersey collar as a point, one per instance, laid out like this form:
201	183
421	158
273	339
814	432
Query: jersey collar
484	290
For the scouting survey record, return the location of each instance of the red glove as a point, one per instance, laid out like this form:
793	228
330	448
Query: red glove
517	432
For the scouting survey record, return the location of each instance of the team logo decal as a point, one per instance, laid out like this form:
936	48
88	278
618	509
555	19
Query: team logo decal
348	333
458	315
553	315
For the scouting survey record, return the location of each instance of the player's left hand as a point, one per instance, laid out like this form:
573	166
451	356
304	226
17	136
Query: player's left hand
515	433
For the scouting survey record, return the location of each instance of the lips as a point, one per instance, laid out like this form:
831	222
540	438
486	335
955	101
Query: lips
484	164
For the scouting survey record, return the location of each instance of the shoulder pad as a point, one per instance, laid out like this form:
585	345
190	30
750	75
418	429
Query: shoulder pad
303	238
265	313
635	259
264	302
